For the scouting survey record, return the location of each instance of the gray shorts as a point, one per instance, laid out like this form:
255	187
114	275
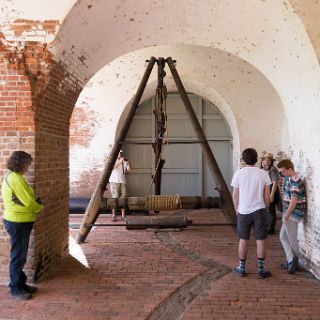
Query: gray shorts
118	190
256	219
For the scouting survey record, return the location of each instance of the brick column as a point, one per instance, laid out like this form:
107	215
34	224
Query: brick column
37	96
52	166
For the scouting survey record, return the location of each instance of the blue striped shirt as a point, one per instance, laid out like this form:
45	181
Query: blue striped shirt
294	187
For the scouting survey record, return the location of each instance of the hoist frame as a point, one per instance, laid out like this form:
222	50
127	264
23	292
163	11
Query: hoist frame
92	211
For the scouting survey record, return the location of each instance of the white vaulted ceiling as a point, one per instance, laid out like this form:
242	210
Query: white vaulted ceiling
277	38
269	35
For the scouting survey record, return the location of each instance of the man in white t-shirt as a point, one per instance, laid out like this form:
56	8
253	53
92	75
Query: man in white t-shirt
117	181
251	197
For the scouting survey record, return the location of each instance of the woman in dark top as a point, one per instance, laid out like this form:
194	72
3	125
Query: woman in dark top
267	164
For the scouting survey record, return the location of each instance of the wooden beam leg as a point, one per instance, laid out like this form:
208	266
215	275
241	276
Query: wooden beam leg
227	203
92	211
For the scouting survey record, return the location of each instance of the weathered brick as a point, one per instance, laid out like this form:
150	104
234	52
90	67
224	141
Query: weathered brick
30	122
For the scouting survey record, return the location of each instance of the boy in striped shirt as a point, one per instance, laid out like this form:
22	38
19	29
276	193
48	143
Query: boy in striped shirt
294	208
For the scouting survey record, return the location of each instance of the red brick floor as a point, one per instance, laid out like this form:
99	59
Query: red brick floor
143	274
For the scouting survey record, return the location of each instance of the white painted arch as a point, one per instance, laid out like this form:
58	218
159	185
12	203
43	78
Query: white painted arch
242	94
269	35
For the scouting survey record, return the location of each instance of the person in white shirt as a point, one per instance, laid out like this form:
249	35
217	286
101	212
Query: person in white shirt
251	197
117	181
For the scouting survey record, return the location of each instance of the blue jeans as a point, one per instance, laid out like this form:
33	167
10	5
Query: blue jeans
19	233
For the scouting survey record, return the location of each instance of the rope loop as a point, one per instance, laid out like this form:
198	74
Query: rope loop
164	202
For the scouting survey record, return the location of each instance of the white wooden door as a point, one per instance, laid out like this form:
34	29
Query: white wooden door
185	171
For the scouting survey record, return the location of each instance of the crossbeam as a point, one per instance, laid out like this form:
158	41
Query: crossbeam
161	203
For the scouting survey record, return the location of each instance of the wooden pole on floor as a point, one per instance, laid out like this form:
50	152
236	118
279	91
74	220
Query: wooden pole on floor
166	202
92	211
227	203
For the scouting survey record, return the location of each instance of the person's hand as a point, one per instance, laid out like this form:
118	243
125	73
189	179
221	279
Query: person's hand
271	198
286	216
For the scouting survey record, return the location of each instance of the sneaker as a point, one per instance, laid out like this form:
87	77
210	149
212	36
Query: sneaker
264	274
241	273
30	289
113	218
293	265
284	266
123	218
20	295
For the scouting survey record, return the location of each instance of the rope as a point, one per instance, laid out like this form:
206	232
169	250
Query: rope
164	202
155	173
161	117
162	98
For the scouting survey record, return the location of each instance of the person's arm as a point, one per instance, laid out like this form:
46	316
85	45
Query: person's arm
235	197
274	176
273	190
266	196
129	167
21	189
118	163
292	206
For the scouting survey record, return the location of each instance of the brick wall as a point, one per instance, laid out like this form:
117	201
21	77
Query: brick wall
16	125
36	100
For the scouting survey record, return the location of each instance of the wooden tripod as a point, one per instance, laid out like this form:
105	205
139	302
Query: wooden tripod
92	211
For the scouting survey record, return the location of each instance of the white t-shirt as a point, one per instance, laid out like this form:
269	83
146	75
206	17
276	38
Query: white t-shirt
251	182
118	174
